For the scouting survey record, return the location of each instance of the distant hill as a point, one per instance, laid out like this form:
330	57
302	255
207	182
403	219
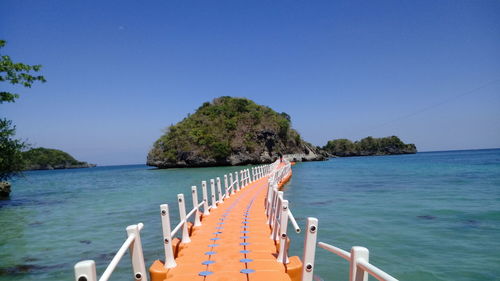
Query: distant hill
369	146
229	131
49	159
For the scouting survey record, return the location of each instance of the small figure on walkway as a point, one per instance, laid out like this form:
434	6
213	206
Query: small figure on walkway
281	157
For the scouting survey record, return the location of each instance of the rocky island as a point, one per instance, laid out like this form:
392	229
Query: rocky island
50	159
369	146
230	131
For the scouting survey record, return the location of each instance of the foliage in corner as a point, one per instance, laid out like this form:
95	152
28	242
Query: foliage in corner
16	73
11	160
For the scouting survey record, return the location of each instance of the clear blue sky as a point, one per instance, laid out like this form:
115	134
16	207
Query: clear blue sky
119	72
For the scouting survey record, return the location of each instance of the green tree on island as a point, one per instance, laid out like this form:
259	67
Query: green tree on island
15	73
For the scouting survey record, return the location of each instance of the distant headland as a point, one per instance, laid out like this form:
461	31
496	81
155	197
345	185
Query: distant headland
230	131
369	146
51	159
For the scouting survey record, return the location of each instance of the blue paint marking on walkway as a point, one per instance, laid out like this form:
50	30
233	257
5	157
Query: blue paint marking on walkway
205	273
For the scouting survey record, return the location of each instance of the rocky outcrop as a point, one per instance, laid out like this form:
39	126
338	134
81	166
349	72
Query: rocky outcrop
4	189
229	131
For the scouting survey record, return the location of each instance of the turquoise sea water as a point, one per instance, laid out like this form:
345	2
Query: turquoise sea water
429	216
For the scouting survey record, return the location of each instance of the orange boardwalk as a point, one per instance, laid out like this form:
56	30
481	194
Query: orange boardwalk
233	243
242	235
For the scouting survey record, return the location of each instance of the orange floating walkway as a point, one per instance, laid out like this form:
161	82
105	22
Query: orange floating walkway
233	243
241	236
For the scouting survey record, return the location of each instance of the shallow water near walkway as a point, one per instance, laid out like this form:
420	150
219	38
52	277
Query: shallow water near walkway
429	216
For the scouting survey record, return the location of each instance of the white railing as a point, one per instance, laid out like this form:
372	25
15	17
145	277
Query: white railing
277	209
359	266
86	270
233	183
278	213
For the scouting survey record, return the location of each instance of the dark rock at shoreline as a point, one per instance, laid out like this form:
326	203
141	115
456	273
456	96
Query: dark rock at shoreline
59	166
4	189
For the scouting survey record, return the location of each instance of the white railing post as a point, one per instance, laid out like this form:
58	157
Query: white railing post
197	214
212	189
356	273
309	249
237	181
253	173
219	190
206	212
85	271
282	255
136	254
182	216
248	176
242	178
270	211
167	237
226	186
276	213
231	183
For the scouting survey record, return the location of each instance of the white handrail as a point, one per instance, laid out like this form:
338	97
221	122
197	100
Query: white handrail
116	259
176	228
182	222
375	271
293	221
339	252
193	211
86	270
358	261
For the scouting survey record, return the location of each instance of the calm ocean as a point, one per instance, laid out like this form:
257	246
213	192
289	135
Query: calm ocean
428	216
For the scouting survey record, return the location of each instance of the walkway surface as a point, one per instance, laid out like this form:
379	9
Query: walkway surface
233	243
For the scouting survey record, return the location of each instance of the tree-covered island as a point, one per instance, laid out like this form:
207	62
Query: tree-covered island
50	159
369	146
229	131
